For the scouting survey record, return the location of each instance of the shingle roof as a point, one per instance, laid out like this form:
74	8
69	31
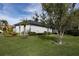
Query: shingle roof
30	22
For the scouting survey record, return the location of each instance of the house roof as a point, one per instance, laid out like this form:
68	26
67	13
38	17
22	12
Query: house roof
30	22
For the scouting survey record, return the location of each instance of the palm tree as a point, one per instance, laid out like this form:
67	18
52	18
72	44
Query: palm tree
24	23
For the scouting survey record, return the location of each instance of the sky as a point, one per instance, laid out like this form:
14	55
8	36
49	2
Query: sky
15	12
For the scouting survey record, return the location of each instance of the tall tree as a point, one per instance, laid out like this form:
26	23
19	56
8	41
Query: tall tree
59	14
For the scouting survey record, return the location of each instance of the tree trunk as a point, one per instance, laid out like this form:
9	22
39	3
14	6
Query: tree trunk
52	30
30	29
24	30
60	37
15	29
47	30
19	30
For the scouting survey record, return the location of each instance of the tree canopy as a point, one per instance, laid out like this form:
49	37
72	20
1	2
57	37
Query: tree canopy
60	15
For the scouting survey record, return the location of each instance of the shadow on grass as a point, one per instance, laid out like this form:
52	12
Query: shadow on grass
46	37
23	37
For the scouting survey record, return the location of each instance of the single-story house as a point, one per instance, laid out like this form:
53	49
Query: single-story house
31	26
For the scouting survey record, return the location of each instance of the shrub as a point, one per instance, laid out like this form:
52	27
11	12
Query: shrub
47	33
13	33
31	33
10	34
34	33
39	33
73	32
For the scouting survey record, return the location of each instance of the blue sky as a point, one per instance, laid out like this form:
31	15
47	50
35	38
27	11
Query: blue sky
13	13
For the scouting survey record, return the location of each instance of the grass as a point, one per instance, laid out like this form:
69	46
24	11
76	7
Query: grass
38	46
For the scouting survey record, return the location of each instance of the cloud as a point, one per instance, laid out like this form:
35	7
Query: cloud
13	13
7	9
77	6
9	19
33	8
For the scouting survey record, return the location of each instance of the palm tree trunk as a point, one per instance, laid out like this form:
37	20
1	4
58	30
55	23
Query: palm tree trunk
30	29
24	30
19	30
47	31
15	29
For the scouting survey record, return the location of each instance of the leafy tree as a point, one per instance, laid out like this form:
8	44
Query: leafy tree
59	15
4	24
44	20
36	17
75	19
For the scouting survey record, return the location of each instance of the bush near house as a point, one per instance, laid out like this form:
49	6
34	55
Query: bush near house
73	32
8	31
10	34
14	33
34	33
31	33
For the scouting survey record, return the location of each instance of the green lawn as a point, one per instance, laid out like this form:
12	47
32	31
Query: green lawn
38	45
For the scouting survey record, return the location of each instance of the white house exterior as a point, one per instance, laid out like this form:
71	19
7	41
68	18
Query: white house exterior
32	28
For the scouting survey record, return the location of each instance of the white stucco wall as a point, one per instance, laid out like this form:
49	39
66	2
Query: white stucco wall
36	29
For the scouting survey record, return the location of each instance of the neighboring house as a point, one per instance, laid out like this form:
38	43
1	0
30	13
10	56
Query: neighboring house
32	26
